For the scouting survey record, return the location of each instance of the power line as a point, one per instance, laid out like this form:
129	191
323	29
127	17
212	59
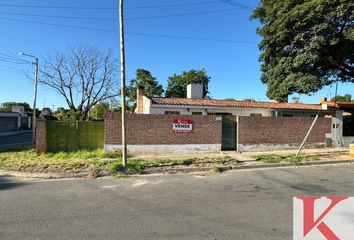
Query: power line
7	50
13	61
116	19
182	14
189	38
239	5
58	16
8	57
129	33
173	5
105	8
13	68
59	25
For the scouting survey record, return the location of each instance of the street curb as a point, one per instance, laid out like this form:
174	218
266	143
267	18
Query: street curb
301	164
42	175
185	170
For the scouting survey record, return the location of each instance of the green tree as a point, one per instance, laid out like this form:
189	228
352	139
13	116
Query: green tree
66	115
249	100
295	99
143	79
99	110
7	106
177	84
345	98
307	44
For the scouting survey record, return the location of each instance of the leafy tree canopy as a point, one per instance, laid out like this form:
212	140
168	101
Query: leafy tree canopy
99	110
177	84
307	44
66	115
7	106
345	98
143	79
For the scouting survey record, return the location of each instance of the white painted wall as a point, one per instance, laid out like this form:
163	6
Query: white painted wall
337	129
166	149
187	110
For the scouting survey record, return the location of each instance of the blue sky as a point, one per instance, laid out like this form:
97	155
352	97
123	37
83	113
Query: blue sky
231	62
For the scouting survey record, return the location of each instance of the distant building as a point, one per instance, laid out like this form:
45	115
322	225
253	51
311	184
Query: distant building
15	120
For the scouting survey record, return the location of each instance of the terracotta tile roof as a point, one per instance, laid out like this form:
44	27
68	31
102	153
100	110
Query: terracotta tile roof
233	103
341	105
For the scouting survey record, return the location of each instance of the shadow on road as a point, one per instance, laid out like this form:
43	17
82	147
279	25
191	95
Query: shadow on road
7	183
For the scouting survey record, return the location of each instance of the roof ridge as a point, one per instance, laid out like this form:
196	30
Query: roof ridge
234	100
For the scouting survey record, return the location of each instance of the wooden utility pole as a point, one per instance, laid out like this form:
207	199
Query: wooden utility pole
34	123
122	76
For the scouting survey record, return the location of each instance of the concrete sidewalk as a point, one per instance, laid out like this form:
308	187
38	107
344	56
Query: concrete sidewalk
248	156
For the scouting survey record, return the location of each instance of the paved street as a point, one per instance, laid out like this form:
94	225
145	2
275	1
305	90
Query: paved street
233	205
16	139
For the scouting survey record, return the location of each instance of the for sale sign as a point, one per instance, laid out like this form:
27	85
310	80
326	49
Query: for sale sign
182	126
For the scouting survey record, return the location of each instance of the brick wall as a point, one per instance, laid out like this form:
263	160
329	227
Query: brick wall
281	130
146	129
41	136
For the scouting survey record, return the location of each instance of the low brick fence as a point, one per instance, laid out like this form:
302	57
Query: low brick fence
268	133
153	134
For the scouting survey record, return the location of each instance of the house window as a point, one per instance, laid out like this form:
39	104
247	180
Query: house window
172	112
197	113
256	114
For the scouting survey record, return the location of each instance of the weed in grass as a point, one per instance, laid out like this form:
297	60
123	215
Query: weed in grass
216	169
76	165
292	158
94	172
117	153
2	157
121	175
133	166
187	161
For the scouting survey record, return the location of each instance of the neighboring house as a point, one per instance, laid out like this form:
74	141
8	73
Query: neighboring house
15	120
194	104
342	123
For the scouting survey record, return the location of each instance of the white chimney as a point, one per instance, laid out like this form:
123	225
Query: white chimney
195	91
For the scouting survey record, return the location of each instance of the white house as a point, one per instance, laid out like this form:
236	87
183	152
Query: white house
194	104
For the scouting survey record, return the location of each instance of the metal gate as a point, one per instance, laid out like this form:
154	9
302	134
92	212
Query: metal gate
71	136
229	129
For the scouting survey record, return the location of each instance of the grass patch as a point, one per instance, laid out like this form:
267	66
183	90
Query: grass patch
94	162
77	161
272	158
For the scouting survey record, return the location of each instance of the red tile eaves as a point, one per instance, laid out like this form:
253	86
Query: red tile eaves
234	103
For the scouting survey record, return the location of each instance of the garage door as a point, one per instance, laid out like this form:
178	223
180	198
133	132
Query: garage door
8	124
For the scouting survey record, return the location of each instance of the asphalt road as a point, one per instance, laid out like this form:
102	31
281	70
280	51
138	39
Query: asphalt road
241	205
16	139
